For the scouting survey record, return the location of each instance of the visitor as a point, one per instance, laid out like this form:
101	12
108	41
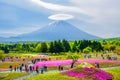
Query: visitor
26	68
22	65
109	57
20	68
37	69
45	68
30	69
42	70
23	59
59	67
15	68
97	65
3	60
11	68
33	68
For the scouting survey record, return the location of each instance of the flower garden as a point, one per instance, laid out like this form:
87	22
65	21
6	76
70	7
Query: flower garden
86	70
68	62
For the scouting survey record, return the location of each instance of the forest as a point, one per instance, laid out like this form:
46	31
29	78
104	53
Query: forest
58	46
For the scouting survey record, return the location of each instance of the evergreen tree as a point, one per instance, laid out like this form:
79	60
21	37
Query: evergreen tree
42	47
58	47
66	45
51	49
75	47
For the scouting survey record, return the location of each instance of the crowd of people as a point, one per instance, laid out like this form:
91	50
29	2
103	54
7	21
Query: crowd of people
28	68
101	56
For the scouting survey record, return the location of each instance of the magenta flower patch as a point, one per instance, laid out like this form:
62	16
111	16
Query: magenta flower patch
92	73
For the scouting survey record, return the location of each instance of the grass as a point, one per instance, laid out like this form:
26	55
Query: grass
109	64
7	64
58	76
53	76
11	76
115	72
56	67
105	64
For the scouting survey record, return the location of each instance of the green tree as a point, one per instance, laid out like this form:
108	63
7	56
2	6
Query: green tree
87	50
74	58
4	48
75	47
83	44
51	48
18	47
58	47
66	45
26	47
2	55
96	46
42	47
112	47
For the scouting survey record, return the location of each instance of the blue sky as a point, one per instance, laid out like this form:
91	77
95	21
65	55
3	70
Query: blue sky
97	17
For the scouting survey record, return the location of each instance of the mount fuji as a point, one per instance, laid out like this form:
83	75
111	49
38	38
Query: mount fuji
54	31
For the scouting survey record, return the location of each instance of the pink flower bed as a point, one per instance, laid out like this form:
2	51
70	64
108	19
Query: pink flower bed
94	73
68	62
53	63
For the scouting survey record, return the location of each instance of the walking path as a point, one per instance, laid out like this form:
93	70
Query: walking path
32	73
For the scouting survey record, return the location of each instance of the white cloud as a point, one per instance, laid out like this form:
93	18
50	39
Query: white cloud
57	7
61	17
105	15
24	4
102	11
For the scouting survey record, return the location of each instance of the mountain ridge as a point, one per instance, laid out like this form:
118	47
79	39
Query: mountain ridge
54	31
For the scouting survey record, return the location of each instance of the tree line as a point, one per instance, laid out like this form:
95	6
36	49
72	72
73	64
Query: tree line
56	46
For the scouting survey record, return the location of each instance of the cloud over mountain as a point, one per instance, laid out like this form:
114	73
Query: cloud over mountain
61	17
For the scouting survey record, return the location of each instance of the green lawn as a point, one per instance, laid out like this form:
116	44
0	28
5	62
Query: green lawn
115	72
53	76
11	75
58	76
7	64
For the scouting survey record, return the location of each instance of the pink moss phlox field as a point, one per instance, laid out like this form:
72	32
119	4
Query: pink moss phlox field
68	62
92	73
102	75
